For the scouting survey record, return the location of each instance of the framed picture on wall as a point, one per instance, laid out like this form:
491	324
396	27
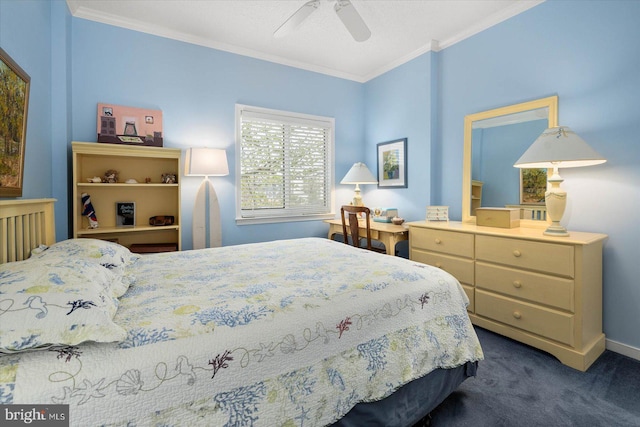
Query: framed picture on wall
14	104
392	164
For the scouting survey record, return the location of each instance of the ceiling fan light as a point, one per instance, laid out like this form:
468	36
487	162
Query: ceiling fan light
352	20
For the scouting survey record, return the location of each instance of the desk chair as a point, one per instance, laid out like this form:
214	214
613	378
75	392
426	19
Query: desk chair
353	228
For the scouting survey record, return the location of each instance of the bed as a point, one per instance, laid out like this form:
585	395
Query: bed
302	332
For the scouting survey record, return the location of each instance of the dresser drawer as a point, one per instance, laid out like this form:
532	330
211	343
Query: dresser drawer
460	268
544	257
545	322
448	242
538	288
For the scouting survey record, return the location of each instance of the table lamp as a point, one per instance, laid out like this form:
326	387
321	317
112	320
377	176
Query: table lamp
558	147
358	174
206	162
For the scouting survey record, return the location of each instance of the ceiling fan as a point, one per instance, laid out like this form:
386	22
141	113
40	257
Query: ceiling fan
345	11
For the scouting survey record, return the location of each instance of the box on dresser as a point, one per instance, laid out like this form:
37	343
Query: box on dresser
498	217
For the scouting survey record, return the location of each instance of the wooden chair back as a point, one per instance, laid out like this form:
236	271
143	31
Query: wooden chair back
351	227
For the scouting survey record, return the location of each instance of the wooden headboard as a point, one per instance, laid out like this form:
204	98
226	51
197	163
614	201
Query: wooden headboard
25	224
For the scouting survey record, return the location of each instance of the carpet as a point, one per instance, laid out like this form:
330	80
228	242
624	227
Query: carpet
518	385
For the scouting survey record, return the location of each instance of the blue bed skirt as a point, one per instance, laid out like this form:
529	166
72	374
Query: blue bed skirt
412	402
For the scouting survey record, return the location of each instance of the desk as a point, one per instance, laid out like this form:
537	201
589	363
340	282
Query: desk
385	232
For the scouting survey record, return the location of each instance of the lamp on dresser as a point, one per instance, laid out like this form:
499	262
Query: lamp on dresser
358	174
558	147
206	162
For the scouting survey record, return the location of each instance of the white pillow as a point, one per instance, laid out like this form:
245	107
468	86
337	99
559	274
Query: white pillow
46	302
110	255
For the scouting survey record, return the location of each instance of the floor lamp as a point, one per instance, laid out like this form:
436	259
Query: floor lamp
206	162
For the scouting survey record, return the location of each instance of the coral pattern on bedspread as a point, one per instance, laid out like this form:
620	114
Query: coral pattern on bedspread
292	332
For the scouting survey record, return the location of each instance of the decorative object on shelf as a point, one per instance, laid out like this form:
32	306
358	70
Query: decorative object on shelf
14	105
558	147
206	162
169	178
110	176
437	213
131	181
94	180
392	164
88	210
161	220
358	174
147	180
129	125
125	214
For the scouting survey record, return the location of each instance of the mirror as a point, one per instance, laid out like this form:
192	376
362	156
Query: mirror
493	141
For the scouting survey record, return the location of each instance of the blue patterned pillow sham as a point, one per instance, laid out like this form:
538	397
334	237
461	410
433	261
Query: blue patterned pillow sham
110	255
56	302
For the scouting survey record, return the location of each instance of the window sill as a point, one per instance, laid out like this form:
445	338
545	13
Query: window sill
273	220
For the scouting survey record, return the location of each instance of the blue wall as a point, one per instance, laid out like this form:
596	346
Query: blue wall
398	105
25	34
585	52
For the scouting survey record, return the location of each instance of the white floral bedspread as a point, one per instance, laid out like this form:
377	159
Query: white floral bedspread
286	333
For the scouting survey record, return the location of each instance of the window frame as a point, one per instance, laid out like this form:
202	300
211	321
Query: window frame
290	117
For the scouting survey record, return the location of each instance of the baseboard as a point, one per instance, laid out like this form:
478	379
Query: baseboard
624	349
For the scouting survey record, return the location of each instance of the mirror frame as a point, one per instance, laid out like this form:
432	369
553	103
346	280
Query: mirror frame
550	102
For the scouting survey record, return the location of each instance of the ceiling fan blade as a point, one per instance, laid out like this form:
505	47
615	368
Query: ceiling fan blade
297	18
352	20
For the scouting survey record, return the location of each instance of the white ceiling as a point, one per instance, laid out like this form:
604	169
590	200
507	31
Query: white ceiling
401	29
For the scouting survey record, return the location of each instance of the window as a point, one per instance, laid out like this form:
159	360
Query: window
284	166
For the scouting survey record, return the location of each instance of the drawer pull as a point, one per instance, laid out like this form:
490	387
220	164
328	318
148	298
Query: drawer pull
517	253
517	284
517	315
438	241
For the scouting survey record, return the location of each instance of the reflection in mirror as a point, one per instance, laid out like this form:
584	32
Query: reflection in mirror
494	140
496	146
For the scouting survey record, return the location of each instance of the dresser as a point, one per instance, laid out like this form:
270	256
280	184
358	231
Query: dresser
543	291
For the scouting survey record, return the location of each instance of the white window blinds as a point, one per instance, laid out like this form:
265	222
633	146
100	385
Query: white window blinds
285	164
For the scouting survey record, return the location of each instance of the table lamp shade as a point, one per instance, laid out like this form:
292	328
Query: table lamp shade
559	147
206	162
359	174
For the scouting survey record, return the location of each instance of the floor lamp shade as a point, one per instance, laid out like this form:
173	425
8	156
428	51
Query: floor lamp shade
358	174
206	162
555	148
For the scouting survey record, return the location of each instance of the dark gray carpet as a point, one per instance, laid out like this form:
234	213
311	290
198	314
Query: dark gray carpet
518	385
